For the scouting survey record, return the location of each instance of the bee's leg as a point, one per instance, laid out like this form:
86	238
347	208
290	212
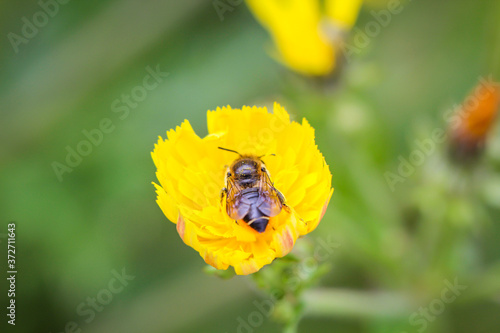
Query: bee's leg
223	192
283	201
281	197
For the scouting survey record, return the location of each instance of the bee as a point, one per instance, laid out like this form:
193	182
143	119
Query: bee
250	193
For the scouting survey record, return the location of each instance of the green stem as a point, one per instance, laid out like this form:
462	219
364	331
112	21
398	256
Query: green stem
340	302
291	328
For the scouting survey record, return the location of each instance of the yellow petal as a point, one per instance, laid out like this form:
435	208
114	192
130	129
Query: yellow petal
342	12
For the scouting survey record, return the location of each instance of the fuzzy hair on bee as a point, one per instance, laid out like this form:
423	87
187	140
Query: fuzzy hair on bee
250	193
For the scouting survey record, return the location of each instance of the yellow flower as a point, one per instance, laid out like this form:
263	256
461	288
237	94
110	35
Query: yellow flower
342	12
191	172
296	28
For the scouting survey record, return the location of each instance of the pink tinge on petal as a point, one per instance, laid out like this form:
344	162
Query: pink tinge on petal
247	267
285	241
324	210
180	226
210	259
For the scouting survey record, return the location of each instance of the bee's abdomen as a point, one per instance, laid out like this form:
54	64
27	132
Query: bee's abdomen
251	195
255	218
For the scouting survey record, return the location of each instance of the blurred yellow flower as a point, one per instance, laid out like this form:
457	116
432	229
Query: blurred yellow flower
299	30
342	12
191	172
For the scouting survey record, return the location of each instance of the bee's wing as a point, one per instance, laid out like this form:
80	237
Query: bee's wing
236	207
269	202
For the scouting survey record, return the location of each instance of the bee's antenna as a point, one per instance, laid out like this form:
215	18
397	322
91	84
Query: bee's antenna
261	156
232	151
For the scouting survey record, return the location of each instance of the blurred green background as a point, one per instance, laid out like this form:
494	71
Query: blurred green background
442	223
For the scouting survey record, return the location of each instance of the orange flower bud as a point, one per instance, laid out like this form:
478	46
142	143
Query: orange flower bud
475	120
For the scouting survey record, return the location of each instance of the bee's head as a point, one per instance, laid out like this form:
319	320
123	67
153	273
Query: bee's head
246	170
